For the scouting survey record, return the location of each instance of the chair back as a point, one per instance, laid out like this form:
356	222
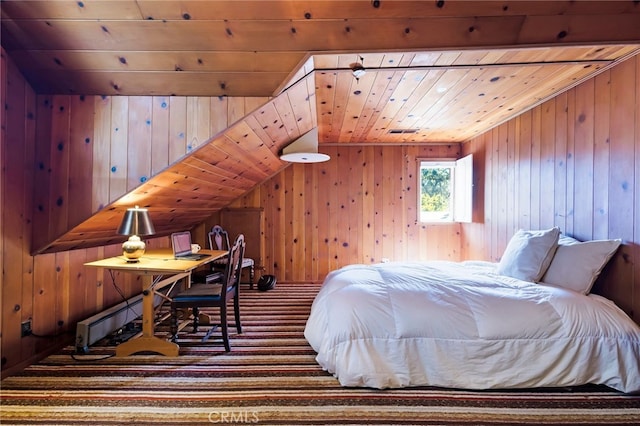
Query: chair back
218	238
233	269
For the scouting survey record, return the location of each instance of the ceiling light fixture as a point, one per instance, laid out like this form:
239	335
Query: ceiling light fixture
304	149
357	68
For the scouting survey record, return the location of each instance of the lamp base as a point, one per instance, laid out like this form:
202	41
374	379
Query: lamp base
133	249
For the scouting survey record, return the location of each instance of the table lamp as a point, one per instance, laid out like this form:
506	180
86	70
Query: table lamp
135	223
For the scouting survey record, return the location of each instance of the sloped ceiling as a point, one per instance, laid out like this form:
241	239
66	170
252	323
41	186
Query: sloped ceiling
435	71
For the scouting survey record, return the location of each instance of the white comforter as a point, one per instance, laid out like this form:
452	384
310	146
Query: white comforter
460	325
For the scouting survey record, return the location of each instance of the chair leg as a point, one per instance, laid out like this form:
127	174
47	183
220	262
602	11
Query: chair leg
174	324
236	311
251	277
224	327
196	319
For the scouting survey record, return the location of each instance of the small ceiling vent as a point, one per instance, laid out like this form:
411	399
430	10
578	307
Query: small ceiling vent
401	131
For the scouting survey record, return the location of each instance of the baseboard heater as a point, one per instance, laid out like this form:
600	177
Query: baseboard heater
102	324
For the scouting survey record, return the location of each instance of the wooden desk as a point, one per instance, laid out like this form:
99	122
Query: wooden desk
153	266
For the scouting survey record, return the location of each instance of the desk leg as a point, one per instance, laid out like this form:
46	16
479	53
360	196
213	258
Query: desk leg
148	342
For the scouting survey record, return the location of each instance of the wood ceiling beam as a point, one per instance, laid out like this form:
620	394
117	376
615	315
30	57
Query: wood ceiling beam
320	35
298	10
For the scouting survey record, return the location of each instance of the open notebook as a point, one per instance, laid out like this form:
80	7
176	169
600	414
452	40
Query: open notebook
181	244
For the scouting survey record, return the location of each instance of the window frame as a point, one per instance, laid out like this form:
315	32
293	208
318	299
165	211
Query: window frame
461	188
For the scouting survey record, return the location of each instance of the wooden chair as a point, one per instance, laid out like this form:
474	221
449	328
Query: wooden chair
219	240
213	296
214	271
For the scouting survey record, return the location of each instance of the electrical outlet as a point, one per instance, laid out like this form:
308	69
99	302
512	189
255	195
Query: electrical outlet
25	328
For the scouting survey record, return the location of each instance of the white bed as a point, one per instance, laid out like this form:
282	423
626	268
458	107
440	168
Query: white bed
463	325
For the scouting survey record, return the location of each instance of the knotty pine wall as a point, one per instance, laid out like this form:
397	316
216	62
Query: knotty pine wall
359	207
572	162
92	150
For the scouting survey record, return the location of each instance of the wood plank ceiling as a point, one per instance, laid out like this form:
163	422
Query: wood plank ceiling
434	71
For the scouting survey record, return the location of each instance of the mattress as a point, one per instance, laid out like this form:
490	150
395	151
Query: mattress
462	325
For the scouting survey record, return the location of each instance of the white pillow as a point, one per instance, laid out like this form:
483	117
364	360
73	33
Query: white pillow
529	254
576	265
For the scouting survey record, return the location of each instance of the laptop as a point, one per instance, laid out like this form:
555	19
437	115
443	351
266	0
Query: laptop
181	244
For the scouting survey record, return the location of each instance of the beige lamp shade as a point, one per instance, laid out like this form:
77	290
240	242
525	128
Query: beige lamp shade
304	149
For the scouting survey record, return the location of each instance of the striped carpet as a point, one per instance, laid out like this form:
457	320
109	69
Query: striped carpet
270	377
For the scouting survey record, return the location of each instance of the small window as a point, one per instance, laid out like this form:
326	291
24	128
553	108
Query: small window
445	190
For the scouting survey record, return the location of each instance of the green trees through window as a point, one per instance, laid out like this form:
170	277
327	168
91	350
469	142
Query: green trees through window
446	190
436	189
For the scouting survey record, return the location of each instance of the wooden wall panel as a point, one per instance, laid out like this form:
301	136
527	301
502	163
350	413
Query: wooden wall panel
58	209
101	153
624	196
177	128
139	141
44	302
601	154
14	201
359	207
547	165
576	159
160	134
560	175
199	123
81	144
536	142
3	143
583	167
119	142
118	166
